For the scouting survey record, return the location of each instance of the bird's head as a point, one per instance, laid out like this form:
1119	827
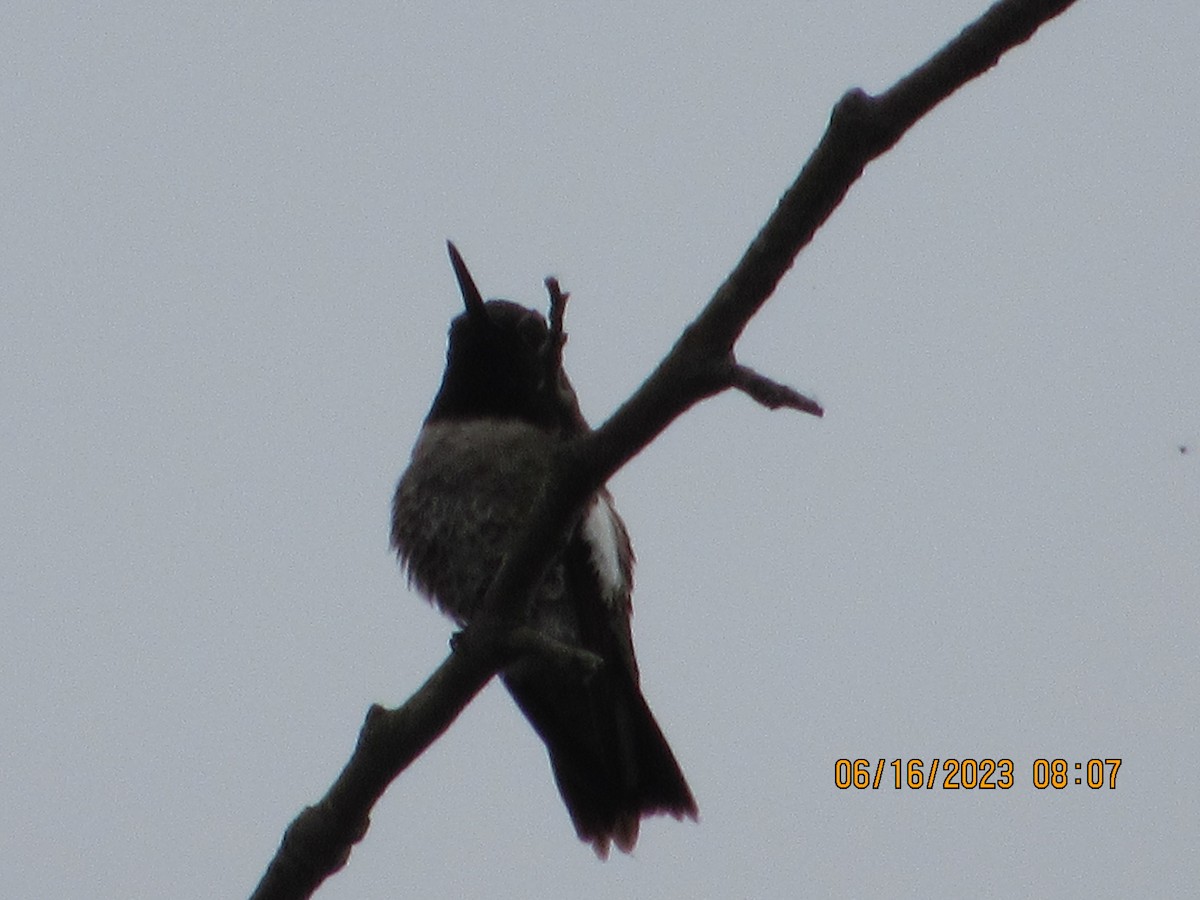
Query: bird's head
503	361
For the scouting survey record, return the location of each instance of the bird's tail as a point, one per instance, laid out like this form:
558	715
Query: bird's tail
611	761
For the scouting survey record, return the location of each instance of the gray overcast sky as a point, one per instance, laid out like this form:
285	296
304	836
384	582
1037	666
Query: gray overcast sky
225	297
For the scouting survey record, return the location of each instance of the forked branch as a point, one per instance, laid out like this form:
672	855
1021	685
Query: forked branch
701	363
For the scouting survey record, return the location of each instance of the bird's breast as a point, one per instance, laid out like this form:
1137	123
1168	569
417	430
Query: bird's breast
467	491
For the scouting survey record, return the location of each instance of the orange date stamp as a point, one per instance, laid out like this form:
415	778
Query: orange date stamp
966	773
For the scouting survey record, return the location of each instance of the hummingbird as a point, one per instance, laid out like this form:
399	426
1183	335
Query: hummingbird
481	460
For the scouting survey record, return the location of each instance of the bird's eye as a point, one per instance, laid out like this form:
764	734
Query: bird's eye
532	332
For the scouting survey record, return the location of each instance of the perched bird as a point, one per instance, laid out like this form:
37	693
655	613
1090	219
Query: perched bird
479	464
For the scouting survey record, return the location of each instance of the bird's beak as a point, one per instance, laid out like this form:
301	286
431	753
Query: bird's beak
472	299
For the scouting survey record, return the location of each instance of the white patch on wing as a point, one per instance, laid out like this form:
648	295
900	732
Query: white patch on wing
600	532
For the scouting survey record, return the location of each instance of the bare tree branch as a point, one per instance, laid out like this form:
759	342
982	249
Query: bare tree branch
701	364
771	394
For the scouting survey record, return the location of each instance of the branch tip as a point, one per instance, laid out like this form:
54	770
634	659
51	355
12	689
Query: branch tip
769	393
558	306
